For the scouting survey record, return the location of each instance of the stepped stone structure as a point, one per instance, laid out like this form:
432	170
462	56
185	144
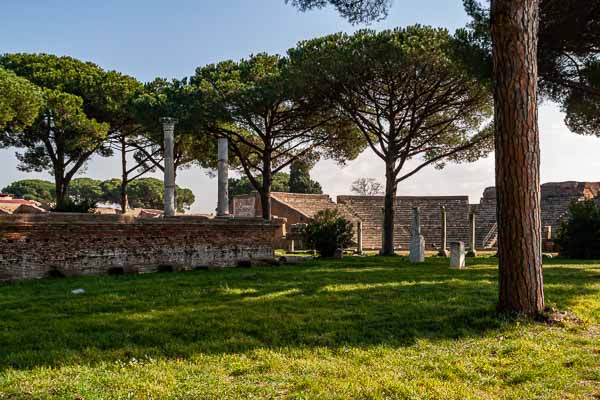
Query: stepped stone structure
370	210
556	199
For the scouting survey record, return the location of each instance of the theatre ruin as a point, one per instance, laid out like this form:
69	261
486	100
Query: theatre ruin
368	210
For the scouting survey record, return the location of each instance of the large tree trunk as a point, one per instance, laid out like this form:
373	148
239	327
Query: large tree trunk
265	192
60	186
389	210
61	197
514	36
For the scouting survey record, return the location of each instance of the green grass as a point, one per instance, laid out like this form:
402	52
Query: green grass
358	328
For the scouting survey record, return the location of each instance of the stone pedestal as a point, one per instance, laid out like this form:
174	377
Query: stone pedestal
417	249
417	241
457	255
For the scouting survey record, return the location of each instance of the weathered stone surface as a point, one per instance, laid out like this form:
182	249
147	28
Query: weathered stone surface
294	259
417	249
457	255
417	241
223	178
443	252
472	240
41	245
169	170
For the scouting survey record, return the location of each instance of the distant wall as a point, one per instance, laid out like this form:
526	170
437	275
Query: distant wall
41	245
370	211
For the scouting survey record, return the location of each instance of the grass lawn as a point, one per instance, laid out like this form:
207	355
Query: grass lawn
358	328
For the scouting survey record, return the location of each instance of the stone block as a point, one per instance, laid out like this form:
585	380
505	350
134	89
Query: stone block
417	249
457	255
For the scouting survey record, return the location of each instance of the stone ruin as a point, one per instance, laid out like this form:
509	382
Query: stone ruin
368	211
556	198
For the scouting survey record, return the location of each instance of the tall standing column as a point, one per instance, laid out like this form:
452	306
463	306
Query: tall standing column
417	241
223	178
359	237
169	170
472	242
443	233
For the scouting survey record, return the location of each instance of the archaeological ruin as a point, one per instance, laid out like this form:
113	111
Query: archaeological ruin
368	210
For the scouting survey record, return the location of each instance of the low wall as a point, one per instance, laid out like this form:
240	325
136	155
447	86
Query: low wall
42	245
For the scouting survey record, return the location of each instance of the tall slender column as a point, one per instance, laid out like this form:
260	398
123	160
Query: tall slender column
359	237
223	178
169	170
472	245
417	241
443	233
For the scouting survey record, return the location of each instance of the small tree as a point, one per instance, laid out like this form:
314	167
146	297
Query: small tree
410	94
327	231
242	185
367	187
32	189
149	193
300	181
72	125
579	235
86	190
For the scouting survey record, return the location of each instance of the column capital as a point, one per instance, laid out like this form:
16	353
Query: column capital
168	121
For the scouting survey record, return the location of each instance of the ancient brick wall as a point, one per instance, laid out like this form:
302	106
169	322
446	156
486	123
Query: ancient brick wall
36	246
370	210
556	198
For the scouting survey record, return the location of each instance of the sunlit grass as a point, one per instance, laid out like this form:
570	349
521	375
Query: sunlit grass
359	328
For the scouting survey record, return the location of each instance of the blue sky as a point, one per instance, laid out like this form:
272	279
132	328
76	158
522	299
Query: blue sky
154	38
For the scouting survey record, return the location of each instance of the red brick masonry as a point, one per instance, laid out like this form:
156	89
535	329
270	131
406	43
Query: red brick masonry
41	245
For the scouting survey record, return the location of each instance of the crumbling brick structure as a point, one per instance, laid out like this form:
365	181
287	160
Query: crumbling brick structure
41	245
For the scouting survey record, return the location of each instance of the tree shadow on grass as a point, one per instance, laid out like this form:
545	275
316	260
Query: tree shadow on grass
355	302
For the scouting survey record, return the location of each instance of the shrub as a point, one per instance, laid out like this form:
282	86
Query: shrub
82	207
579	236
328	231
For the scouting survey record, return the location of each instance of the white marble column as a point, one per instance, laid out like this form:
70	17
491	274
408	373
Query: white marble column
223	178
169	170
472	245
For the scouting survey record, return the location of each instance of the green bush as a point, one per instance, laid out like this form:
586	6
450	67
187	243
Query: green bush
328	231
82	207
579	236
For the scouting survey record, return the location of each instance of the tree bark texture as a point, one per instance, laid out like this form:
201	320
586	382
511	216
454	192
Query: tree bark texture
389	210
514	36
